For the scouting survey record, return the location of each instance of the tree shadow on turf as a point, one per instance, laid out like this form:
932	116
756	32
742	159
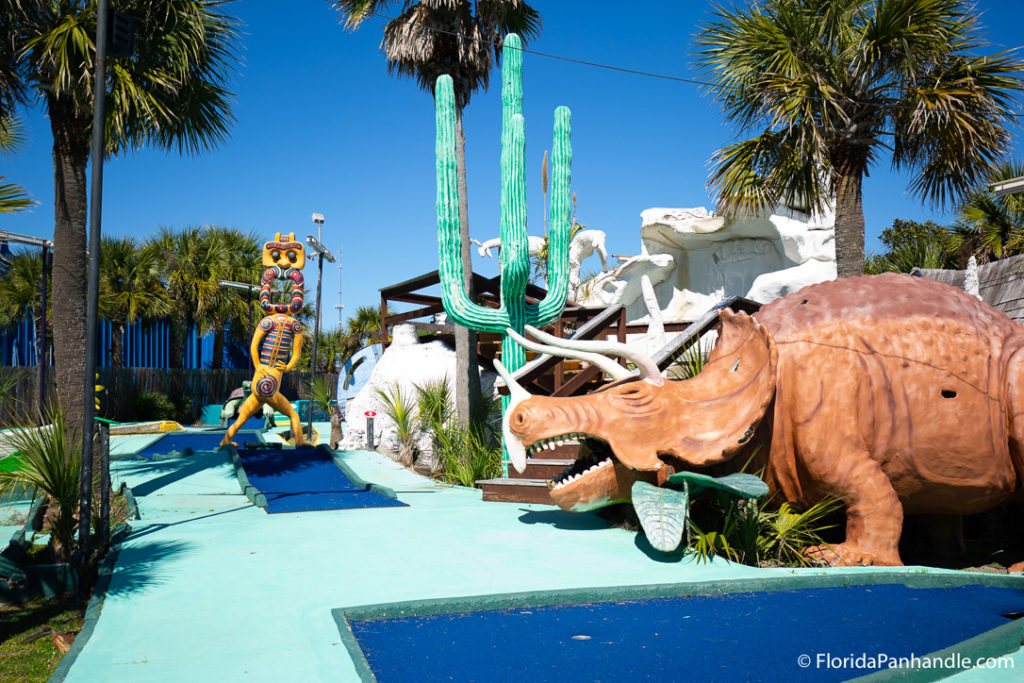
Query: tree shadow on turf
139	566
176	470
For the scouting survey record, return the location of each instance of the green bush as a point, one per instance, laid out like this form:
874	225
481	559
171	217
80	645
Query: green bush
153	405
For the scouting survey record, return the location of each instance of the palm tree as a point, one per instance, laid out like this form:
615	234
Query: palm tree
241	263
991	227
12	197
834	84
170	94
19	293
130	288
461	38
190	261
365	325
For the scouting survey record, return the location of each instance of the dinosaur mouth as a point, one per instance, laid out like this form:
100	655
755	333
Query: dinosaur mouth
594	455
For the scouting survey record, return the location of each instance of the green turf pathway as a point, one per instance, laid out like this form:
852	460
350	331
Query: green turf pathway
211	588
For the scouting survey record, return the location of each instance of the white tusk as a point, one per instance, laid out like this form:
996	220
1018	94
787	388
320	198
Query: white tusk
603	363
648	368
515	448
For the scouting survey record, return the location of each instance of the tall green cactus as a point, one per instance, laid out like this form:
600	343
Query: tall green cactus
514	312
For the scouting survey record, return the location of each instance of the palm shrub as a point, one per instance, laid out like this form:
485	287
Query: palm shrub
50	465
321	393
752	532
402	412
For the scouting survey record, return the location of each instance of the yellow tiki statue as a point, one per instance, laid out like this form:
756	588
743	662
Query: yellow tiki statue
277	343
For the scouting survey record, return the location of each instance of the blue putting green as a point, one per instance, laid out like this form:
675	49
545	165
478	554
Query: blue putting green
181	442
782	635
305	479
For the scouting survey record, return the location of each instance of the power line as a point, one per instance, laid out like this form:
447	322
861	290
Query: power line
653	74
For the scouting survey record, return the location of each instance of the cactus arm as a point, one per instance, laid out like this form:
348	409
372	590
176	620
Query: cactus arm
560	219
456	302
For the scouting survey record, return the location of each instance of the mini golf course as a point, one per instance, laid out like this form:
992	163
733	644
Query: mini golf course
304	479
711	633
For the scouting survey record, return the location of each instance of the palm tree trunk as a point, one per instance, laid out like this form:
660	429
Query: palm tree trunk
117	345
849	221
179	337
467	374
218	347
70	158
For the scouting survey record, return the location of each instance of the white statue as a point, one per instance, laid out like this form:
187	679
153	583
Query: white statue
584	244
971	284
536	246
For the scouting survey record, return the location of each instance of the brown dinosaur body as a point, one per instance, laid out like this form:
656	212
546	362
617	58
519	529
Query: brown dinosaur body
896	394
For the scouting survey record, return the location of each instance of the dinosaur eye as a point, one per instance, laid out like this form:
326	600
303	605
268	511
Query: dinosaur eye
291	256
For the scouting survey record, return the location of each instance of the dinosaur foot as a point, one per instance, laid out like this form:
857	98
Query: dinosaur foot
850	555
228	442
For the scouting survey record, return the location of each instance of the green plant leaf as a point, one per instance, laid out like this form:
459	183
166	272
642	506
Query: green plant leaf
662	514
739	484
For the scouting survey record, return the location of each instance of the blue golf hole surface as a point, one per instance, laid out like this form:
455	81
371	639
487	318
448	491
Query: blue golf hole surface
785	635
178	442
306	479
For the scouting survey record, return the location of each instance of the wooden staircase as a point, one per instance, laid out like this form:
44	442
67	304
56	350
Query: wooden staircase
531	485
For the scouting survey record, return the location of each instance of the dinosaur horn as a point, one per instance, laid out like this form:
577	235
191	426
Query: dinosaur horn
607	365
515	448
648	368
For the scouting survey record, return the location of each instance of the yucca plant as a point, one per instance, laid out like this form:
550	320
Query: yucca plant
462	455
401	410
51	467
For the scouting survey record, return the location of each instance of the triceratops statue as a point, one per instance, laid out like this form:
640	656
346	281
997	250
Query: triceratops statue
896	394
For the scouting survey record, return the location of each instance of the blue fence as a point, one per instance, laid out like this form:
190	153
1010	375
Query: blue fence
144	346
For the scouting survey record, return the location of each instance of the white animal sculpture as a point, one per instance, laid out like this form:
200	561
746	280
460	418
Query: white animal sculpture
584	244
536	246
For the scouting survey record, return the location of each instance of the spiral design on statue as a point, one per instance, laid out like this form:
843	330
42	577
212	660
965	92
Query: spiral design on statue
266	386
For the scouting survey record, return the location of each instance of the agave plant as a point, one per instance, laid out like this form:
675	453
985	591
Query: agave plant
47	464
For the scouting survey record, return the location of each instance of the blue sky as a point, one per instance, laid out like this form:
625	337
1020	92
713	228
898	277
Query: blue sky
322	127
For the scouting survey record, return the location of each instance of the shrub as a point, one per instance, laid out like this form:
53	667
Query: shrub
152	405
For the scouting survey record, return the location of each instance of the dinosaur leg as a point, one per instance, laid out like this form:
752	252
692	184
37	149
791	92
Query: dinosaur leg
249	408
874	514
281	404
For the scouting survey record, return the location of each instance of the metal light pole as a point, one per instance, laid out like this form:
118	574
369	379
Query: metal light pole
242	285
46	245
95	214
322	253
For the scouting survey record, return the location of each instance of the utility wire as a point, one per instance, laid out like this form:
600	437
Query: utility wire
650	74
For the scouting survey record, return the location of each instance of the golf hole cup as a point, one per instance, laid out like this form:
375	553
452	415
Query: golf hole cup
369	428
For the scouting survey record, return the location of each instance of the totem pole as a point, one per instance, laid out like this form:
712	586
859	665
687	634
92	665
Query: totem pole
514	312
277	343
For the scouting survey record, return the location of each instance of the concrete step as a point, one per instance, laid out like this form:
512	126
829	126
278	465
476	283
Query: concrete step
516	491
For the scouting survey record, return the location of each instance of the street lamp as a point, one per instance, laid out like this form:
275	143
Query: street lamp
1005	187
241	285
322	253
47	246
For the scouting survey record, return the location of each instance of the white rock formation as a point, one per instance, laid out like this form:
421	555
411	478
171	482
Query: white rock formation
695	258
407	363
